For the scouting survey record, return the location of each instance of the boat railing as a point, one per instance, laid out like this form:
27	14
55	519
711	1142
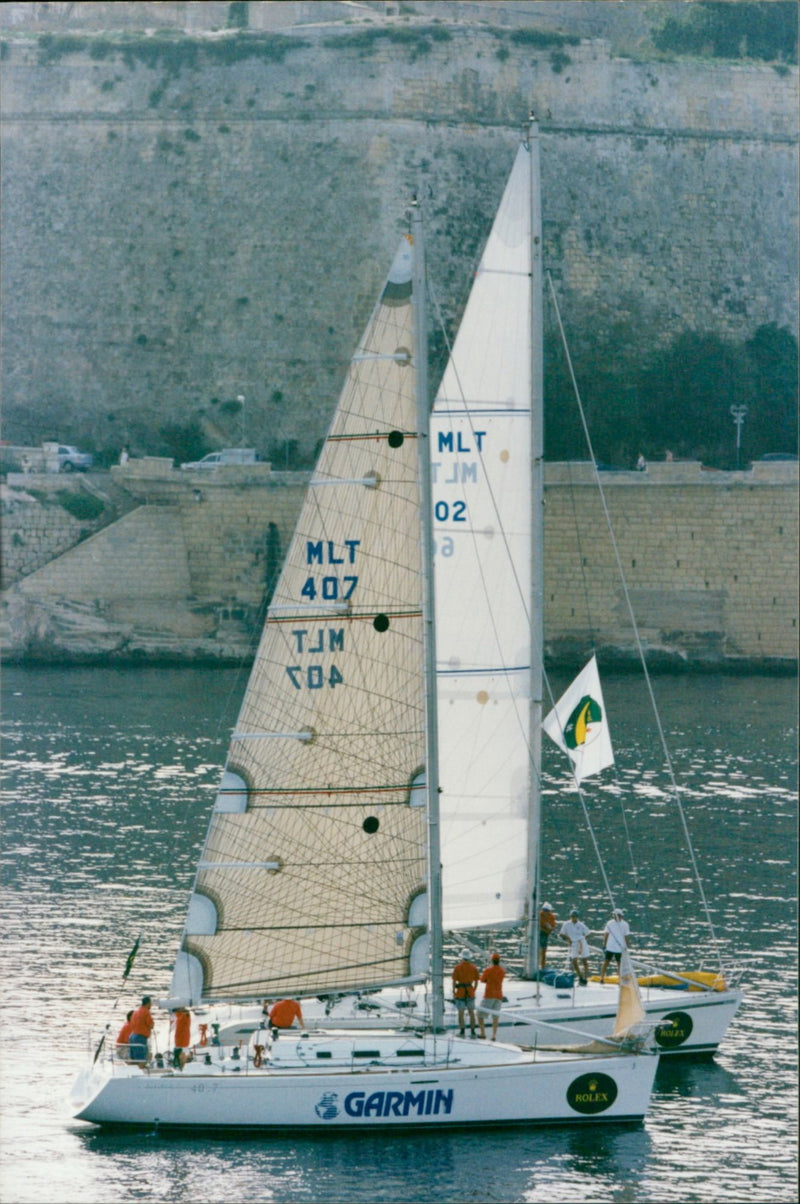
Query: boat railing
714	979
300	1050
637	1037
732	972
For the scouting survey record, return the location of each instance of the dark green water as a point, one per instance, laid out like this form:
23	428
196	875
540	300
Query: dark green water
109	779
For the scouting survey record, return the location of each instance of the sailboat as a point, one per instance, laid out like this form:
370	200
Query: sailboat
320	873
486	470
486	479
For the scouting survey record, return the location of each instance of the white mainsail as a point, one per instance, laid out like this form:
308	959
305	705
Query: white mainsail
313	874
481	452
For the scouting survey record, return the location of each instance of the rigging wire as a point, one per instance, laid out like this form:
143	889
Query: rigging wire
635	628
592	643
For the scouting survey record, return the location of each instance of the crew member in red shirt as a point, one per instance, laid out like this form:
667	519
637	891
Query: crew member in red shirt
284	1013
493	977
547	926
123	1036
142	1025
465	980
182	1036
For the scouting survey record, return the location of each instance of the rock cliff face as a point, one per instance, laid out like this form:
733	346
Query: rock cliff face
181	227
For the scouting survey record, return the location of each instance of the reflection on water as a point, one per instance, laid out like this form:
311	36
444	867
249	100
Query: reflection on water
109	780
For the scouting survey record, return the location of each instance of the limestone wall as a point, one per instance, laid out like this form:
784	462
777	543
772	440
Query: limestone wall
32	535
183	576
36	527
709	560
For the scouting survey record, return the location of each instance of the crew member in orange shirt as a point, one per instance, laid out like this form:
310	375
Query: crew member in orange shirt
123	1036
465	980
182	1036
547	926
284	1013
142	1025
493	976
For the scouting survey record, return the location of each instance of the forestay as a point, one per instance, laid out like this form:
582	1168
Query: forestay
480	445
312	878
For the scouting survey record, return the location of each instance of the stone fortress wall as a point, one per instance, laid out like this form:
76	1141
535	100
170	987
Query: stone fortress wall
709	560
181	230
177	232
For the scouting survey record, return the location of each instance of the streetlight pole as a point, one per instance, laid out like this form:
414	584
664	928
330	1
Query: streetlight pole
738	413
240	400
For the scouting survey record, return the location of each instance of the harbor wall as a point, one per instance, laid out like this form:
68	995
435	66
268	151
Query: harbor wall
709	561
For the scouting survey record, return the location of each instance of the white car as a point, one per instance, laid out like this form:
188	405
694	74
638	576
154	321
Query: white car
228	455
72	460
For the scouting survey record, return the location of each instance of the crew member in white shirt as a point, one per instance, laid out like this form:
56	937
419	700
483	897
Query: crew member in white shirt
575	932
615	939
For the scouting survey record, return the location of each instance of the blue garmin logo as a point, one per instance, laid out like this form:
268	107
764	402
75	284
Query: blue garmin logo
357	1104
399	1103
327	1107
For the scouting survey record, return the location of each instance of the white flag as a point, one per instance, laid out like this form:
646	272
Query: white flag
577	723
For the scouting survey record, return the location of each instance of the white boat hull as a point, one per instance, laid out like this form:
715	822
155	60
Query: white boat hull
688	1023
452	1083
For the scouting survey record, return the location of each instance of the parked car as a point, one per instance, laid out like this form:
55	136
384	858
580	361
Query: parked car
71	460
227	455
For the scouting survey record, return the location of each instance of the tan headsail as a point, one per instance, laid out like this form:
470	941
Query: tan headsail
632	1030
630	1011
312	878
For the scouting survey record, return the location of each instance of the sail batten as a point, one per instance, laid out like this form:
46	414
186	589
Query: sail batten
449	406
272	736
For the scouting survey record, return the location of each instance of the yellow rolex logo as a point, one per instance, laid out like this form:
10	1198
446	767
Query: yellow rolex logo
591	1093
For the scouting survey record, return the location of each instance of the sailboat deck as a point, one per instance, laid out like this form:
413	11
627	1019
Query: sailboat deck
389	1049
532	1014
347	1052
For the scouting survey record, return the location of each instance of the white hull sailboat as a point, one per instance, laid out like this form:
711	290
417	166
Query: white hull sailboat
344	1080
321	869
486	449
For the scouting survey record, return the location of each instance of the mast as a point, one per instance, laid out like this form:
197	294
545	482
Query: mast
531	953
428	615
